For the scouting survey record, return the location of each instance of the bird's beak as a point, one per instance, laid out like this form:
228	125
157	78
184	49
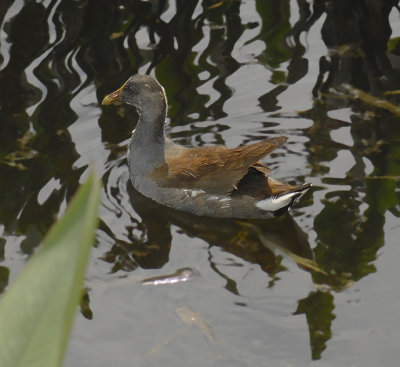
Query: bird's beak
112	97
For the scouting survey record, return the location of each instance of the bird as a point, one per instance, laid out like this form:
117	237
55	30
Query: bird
212	181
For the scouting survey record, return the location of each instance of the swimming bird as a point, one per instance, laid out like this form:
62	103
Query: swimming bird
213	181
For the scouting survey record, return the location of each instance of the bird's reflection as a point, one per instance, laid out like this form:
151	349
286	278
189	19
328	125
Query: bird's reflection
232	235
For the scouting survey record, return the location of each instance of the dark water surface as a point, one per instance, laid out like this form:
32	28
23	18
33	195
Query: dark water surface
324	73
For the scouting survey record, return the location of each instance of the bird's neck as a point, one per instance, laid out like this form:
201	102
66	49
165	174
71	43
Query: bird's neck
148	140
152	115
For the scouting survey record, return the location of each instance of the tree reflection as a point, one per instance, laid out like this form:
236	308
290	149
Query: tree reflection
357	34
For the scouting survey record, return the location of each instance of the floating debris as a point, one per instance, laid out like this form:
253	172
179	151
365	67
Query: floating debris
192	317
181	275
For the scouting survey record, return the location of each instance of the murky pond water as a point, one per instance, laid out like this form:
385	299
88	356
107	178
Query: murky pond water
167	288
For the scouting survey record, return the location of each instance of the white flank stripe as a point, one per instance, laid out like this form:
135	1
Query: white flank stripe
273	204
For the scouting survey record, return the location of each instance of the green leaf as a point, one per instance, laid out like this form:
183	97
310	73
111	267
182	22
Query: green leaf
37	311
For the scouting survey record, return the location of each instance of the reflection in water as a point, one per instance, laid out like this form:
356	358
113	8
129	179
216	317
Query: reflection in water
245	239
152	237
318	308
226	233
85	305
56	57
358	59
151	244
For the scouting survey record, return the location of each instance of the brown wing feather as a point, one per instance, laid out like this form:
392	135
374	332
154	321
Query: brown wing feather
214	169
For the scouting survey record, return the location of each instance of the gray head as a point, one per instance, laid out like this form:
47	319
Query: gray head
143	92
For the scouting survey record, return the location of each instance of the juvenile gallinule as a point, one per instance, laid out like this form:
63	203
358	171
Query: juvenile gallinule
212	181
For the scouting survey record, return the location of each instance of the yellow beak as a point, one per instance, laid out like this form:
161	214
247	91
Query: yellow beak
112	97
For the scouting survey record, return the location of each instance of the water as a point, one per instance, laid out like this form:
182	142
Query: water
234	72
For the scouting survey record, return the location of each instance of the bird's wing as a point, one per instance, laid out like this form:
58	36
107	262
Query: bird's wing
214	169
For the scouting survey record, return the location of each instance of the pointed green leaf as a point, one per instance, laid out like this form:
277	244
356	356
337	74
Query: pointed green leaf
37	311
